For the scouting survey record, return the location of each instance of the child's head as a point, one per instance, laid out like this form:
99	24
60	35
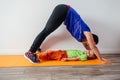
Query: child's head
90	54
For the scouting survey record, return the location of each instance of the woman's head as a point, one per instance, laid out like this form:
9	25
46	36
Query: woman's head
95	38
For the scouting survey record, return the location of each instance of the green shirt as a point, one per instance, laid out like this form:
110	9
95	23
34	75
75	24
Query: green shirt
77	53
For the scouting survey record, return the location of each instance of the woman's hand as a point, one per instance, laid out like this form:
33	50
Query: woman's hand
105	62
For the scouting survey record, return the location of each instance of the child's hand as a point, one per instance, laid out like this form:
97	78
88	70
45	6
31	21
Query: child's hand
64	59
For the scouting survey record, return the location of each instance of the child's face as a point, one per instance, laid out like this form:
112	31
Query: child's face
90	54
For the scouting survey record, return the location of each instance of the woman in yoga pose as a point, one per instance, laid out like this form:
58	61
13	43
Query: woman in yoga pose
74	24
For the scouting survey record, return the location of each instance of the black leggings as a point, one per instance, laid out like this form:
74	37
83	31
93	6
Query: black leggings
57	17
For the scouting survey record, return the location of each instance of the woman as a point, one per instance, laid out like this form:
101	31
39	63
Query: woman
75	25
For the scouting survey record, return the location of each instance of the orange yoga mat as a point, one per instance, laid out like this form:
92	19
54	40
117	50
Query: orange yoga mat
20	61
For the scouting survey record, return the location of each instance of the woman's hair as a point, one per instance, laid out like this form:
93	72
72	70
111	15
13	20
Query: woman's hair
96	39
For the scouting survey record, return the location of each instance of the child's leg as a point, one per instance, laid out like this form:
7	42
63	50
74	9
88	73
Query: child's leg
42	56
55	20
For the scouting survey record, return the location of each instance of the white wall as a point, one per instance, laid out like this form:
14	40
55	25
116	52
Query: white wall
22	20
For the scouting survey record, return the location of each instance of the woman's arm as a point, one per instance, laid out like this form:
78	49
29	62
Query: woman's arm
86	45
93	47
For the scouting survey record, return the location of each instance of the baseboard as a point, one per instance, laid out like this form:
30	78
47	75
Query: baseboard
110	51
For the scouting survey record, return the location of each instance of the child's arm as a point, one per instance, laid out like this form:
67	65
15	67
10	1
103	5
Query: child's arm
70	59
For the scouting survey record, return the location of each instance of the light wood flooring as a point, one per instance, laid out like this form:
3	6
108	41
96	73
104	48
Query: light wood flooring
99	72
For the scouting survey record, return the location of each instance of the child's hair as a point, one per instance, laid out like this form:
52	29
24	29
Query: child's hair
96	39
95	56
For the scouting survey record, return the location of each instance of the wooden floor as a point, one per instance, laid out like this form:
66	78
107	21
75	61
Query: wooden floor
101	72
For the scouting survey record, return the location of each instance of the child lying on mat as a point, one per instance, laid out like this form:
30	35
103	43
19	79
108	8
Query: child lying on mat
65	55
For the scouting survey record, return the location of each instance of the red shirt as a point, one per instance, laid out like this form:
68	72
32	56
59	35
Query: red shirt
52	55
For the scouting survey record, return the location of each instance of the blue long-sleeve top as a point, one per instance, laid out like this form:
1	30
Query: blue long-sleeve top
75	25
